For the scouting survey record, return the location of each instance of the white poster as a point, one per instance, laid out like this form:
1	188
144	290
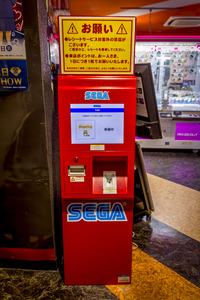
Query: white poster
97	123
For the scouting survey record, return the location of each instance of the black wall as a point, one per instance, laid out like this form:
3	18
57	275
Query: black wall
26	185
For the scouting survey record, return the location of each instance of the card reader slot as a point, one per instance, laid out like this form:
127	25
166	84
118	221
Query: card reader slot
76	170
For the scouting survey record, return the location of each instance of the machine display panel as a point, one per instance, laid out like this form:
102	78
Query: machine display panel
141	107
97	123
148	121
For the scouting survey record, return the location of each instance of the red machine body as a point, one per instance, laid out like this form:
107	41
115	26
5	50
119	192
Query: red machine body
97	149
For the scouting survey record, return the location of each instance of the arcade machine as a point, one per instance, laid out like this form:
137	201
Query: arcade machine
175	67
96	115
147	116
147	127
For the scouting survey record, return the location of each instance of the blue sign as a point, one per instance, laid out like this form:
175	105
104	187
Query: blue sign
13	75
97	95
93	212
13	69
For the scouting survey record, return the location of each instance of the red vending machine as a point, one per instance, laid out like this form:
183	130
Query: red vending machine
97	132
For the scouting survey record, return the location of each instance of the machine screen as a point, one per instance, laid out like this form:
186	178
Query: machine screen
97	123
141	107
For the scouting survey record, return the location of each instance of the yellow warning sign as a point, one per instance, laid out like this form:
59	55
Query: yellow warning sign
72	29
122	30
97	45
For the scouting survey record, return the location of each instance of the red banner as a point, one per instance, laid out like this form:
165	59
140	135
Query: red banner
17	8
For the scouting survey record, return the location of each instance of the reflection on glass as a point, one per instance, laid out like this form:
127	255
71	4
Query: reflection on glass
176	73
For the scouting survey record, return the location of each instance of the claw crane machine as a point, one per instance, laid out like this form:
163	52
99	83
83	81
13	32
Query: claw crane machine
175	66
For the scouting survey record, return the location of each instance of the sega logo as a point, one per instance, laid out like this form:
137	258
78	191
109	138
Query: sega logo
97	95
93	212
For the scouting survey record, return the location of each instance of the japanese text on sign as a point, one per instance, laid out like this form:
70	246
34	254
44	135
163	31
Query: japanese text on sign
97	45
13	68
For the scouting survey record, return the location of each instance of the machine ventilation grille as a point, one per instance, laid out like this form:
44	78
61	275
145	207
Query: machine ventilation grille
183	22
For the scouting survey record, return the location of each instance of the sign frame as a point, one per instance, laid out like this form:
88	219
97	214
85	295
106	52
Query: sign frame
81	39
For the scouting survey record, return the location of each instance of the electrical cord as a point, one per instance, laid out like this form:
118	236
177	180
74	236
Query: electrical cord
135	246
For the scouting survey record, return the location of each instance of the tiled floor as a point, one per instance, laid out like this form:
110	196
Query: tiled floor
169	245
152	280
166	264
176	205
179	167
